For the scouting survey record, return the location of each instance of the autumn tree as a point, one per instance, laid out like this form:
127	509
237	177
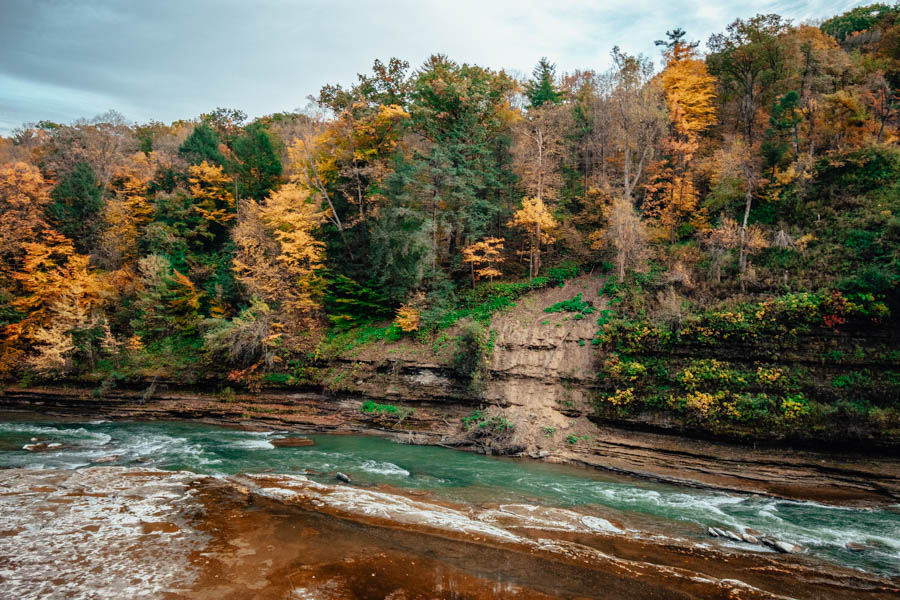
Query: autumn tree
690	96
484	258
127	212
637	116
213	201
24	196
58	297
539	223
103	143
625	234
278	255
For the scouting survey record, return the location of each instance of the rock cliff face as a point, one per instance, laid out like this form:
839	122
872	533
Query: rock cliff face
543	367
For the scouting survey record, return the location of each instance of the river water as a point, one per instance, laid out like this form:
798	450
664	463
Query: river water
467	478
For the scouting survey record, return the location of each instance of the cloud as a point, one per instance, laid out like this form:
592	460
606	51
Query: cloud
170	59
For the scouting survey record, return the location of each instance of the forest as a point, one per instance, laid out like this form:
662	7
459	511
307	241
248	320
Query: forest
746	187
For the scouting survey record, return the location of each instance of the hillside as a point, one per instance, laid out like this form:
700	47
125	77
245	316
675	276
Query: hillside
711	247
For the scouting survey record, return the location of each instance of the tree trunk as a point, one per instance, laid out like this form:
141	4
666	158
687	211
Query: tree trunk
742	260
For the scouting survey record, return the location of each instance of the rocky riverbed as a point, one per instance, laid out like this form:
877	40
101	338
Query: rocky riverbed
102	532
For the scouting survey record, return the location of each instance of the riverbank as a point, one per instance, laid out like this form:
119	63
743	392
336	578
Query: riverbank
844	478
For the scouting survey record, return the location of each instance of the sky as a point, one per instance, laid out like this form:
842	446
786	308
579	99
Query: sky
163	60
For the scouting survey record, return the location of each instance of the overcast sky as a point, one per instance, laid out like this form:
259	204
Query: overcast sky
169	59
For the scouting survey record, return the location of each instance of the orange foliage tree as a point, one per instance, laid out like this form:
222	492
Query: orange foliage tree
484	258
690	96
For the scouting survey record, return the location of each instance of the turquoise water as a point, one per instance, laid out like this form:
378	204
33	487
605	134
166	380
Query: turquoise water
464	477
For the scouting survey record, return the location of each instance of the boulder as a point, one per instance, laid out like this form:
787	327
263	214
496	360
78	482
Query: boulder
749	538
341	477
292	442
732	535
781	546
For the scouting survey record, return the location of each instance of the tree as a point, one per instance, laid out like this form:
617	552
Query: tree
213	201
402	252
538	149
625	234
256	164
57	297
858	19
103	142
76	208
736	160
535	219
278	256
292	216
24	197
749	63
168	303
484	258
542	87
690	95
637	116
463	112
729	235
780	141
246	340
676	38
202	145
127	212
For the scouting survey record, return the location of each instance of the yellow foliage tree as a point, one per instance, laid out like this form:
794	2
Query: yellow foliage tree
277	254
23	197
407	318
59	296
536	219
625	235
484	258
210	187
128	211
690	96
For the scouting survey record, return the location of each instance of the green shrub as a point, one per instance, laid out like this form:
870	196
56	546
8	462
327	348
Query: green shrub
471	420
575	304
372	407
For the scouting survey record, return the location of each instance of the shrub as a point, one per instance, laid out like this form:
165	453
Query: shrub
574	304
470	359
794	408
372	407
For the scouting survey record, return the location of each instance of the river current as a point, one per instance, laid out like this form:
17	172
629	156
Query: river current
461	477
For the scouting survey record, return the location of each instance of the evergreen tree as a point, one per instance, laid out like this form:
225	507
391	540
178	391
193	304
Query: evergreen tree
202	145
256	163
542	87
77	206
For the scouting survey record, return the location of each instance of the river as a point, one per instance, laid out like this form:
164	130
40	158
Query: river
866	539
